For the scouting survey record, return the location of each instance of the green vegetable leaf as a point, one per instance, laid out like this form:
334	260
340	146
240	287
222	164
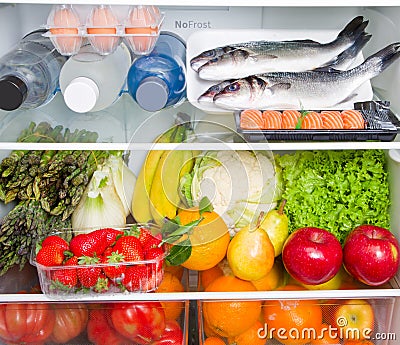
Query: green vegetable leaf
301	118
179	253
103	182
181	230
335	190
205	205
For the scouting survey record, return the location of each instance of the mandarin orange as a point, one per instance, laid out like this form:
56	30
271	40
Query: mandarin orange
171	283
230	318
295	316
214	341
251	336
209	240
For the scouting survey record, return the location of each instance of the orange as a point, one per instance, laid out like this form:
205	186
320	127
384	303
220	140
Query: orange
252	336
230	318
208	331
295	317
358	342
177	271
272	280
171	283
214	341
325	336
209	240
208	276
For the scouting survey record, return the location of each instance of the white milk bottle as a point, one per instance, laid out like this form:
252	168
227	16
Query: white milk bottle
92	82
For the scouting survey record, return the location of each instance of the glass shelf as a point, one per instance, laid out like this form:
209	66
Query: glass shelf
125	126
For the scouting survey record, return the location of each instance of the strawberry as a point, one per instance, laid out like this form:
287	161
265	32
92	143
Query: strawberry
50	255
135	278
84	245
108	235
156	255
94	243
102	284
144	235
67	277
152	242
57	240
130	248
90	273
111	257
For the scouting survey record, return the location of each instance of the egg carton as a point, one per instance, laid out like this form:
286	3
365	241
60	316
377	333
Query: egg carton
139	27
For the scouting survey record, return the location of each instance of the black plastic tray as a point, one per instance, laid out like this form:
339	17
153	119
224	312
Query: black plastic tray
381	125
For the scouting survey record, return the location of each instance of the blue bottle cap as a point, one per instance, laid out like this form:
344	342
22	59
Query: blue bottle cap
152	94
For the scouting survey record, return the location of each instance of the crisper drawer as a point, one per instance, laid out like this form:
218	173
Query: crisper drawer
353	321
90	322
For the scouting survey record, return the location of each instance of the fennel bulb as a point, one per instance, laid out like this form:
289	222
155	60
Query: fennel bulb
107	197
124	181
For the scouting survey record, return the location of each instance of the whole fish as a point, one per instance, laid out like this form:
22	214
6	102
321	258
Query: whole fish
342	61
254	57
304	90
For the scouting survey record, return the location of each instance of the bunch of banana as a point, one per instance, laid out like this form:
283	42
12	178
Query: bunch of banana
156	193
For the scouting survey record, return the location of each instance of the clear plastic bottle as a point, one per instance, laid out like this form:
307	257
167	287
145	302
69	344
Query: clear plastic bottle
158	80
92	82
29	73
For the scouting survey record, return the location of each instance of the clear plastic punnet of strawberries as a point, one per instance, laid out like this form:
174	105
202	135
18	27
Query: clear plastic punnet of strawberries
107	260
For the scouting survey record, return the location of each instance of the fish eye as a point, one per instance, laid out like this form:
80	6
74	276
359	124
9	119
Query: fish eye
209	53
259	82
233	87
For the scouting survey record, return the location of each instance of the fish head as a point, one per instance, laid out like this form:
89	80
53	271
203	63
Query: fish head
207	55
243	93
223	66
208	95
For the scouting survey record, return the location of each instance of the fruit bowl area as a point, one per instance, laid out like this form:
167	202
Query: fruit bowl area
103	261
301	321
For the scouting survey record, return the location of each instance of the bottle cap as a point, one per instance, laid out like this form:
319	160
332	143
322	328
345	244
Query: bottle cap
152	94
81	94
13	92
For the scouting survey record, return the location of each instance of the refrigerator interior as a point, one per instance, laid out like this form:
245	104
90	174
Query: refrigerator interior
126	126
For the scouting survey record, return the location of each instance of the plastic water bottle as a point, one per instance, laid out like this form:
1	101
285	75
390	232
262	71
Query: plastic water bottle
29	73
158	80
92	82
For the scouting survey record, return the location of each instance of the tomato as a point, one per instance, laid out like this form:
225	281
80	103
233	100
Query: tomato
99	330
172	335
24	323
141	322
70	321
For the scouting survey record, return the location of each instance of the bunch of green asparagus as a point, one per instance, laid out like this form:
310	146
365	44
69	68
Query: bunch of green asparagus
47	186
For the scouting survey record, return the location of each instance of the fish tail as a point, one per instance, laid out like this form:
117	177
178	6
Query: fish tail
354	29
344	59
381	60
353	51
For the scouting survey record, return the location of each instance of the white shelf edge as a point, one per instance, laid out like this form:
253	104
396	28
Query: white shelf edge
210	296
278	146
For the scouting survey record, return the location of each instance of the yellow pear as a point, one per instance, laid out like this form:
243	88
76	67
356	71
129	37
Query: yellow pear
250	253
275	224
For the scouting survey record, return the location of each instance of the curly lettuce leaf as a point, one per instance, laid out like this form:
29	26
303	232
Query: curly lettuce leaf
335	190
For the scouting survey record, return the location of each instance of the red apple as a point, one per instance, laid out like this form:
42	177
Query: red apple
371	254
312	255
